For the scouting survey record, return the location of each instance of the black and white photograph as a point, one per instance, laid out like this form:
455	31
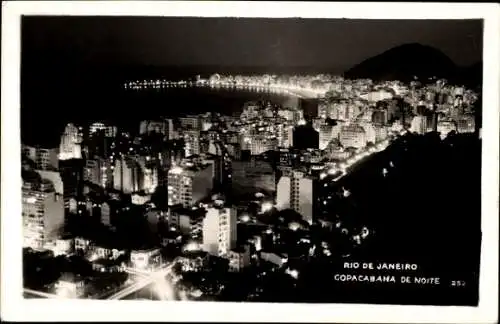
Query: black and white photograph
284	160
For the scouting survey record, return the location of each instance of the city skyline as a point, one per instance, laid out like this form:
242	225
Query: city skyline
186	207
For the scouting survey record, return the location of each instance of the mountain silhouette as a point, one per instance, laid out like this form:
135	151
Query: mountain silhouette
409	60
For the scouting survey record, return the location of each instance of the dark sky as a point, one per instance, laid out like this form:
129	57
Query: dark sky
337	44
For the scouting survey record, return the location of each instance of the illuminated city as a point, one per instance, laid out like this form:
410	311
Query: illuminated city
262	200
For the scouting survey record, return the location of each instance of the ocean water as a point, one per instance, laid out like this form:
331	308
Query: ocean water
126	108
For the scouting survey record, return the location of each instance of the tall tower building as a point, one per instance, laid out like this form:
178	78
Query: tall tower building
262	143
296	191
219	230
42	212
191	142
190	122
284	134
44	158
127	176
72	174
150	179
352	135
109	131
70	147
326	134
93	171
419	124
170	128
188	185
165	127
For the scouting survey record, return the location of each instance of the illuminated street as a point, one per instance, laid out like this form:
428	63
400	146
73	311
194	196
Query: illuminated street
164	289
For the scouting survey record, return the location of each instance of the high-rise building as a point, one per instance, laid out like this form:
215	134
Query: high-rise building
150	179
42	212
381	133
379	117
108	130
251	176
444	127
44	158
323	109
165	127
192	122
105	214
352	136
70	147
466	124
296	191
370	132
127	175
55	178
419	124
251	110
189	184
93	171
99	143
222	168
291	115
239	258
72	177
234	151
219	230
286	157
262	143
191	142
284	134
317	123
170	128
325	135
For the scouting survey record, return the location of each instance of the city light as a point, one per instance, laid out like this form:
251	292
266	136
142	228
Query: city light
346	193
332	171
245	218
93	257
294	226
266	206
164	290
64	293
364	232
192	246
293	273
176	170
31	200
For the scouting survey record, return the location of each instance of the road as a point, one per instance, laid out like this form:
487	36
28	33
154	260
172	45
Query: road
349	164
295	91
143	282
39	293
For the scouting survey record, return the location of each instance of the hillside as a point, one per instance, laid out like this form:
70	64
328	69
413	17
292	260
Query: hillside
409	60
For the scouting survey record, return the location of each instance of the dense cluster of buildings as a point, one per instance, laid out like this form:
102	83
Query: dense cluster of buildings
201	174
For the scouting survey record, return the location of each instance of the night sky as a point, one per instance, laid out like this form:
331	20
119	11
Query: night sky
337	44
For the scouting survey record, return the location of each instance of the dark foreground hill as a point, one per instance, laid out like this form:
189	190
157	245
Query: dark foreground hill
407	61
